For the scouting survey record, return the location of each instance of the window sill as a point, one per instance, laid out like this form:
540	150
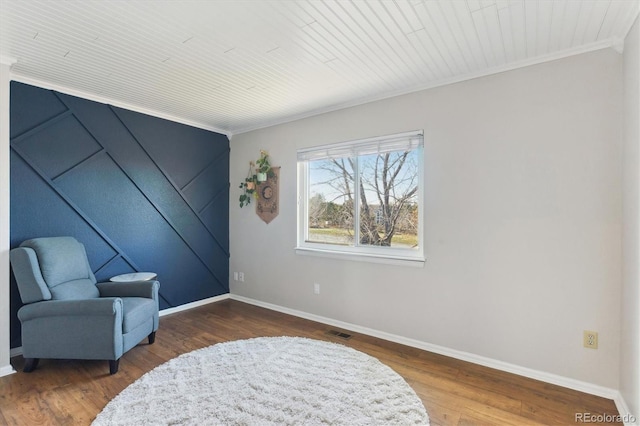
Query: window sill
362	257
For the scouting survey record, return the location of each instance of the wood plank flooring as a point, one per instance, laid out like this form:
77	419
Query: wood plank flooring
61	392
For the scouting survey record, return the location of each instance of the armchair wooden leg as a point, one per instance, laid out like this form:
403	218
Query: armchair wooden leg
152	338
113	366
30	364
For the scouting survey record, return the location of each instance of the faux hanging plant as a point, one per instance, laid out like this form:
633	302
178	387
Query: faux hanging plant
258	172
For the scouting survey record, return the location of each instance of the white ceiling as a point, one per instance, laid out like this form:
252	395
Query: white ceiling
234	66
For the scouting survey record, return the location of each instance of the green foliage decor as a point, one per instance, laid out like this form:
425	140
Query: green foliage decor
258	172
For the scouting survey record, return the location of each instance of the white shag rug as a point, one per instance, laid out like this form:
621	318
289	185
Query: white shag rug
268	381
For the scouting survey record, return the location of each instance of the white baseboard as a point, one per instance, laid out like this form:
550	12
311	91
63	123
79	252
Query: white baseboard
6	370
453	353
625	415
192	305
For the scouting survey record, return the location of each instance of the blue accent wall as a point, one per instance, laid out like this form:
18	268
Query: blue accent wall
141	193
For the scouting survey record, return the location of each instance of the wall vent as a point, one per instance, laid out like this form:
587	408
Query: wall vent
339	334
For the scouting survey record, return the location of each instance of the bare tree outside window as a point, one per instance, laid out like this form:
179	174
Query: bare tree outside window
386	199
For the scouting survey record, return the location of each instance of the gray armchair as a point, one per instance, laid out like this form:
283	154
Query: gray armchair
67	315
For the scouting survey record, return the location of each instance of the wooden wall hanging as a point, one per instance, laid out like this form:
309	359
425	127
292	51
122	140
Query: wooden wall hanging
267	207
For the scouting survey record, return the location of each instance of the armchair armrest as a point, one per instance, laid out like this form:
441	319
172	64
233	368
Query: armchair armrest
148	289
67	308
73	329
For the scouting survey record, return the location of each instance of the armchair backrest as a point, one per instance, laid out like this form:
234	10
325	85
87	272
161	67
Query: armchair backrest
53	268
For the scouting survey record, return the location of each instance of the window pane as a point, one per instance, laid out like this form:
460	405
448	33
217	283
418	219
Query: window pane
362	199
389	199
330	203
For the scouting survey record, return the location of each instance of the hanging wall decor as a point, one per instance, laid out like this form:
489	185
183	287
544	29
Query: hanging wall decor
267	206
262	184
258	172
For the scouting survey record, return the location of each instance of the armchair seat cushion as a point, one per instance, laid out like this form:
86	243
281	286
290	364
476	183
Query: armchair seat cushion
136	311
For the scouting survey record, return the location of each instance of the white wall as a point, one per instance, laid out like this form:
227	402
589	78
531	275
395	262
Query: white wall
5	366
522	220
630	353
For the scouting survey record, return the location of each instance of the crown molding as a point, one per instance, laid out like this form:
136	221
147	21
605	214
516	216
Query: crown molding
616	44
110	101
7	60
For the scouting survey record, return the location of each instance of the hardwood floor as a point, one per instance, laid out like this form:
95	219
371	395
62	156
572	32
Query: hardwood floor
61	392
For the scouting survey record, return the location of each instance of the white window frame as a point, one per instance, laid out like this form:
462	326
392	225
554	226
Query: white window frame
376	254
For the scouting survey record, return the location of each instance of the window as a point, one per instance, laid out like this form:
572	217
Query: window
362	199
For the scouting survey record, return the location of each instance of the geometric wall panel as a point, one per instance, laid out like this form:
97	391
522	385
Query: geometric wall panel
37	106
199	191
142	193
59	147
180	150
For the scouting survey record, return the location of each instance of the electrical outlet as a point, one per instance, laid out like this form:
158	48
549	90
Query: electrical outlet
590	339
235	276
241	276
316	288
